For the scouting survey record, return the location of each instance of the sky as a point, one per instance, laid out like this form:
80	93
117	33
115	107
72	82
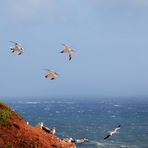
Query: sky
109	38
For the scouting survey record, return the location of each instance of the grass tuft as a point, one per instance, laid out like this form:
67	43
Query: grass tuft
6	113
18	115
4	106
7	146
4	117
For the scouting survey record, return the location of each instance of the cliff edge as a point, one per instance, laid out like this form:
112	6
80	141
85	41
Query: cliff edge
15	133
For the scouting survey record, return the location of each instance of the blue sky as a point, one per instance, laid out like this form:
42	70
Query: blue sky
109	36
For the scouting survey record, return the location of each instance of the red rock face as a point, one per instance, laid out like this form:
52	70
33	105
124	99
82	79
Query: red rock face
20	135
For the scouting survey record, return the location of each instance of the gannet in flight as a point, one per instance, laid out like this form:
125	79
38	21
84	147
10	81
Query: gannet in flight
52	74
17	47
68	50
114	132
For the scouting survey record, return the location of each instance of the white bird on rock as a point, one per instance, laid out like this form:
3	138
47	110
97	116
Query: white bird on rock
53	130
81	140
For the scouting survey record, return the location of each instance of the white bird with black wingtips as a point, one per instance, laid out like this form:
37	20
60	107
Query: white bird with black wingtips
68	50
114	132
16	47
52	74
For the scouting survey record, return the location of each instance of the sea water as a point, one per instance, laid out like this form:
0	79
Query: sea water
90	118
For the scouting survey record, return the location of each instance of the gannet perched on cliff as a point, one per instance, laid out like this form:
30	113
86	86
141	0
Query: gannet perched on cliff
114	132
45	128
16	47
53	130
79	141
68	50
68	139
52	74
41	124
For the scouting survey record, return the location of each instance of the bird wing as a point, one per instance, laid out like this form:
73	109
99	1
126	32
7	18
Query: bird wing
107	137
70	56
46	129
47	69
15	43
116	129
72	50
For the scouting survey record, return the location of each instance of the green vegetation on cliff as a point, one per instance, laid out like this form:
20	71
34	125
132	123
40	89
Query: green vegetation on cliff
5	113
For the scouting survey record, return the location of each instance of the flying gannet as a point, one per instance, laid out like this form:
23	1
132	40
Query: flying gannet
52	74
68	50
114	132
16	47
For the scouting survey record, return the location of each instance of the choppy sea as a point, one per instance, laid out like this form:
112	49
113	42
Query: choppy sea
90	118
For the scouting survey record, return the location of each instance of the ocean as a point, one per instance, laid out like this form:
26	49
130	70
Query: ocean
91	118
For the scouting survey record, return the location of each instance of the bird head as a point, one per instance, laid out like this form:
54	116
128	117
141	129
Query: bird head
41	124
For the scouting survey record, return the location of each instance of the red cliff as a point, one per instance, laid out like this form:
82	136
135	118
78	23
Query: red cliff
15	133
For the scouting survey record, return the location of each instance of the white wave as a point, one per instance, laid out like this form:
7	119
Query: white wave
111	144
69	102
116	105
129	108
97	143
32	102
113	116
57	112
47	108
100	144
124	146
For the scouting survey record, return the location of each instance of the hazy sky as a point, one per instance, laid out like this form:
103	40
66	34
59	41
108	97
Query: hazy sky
110	38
